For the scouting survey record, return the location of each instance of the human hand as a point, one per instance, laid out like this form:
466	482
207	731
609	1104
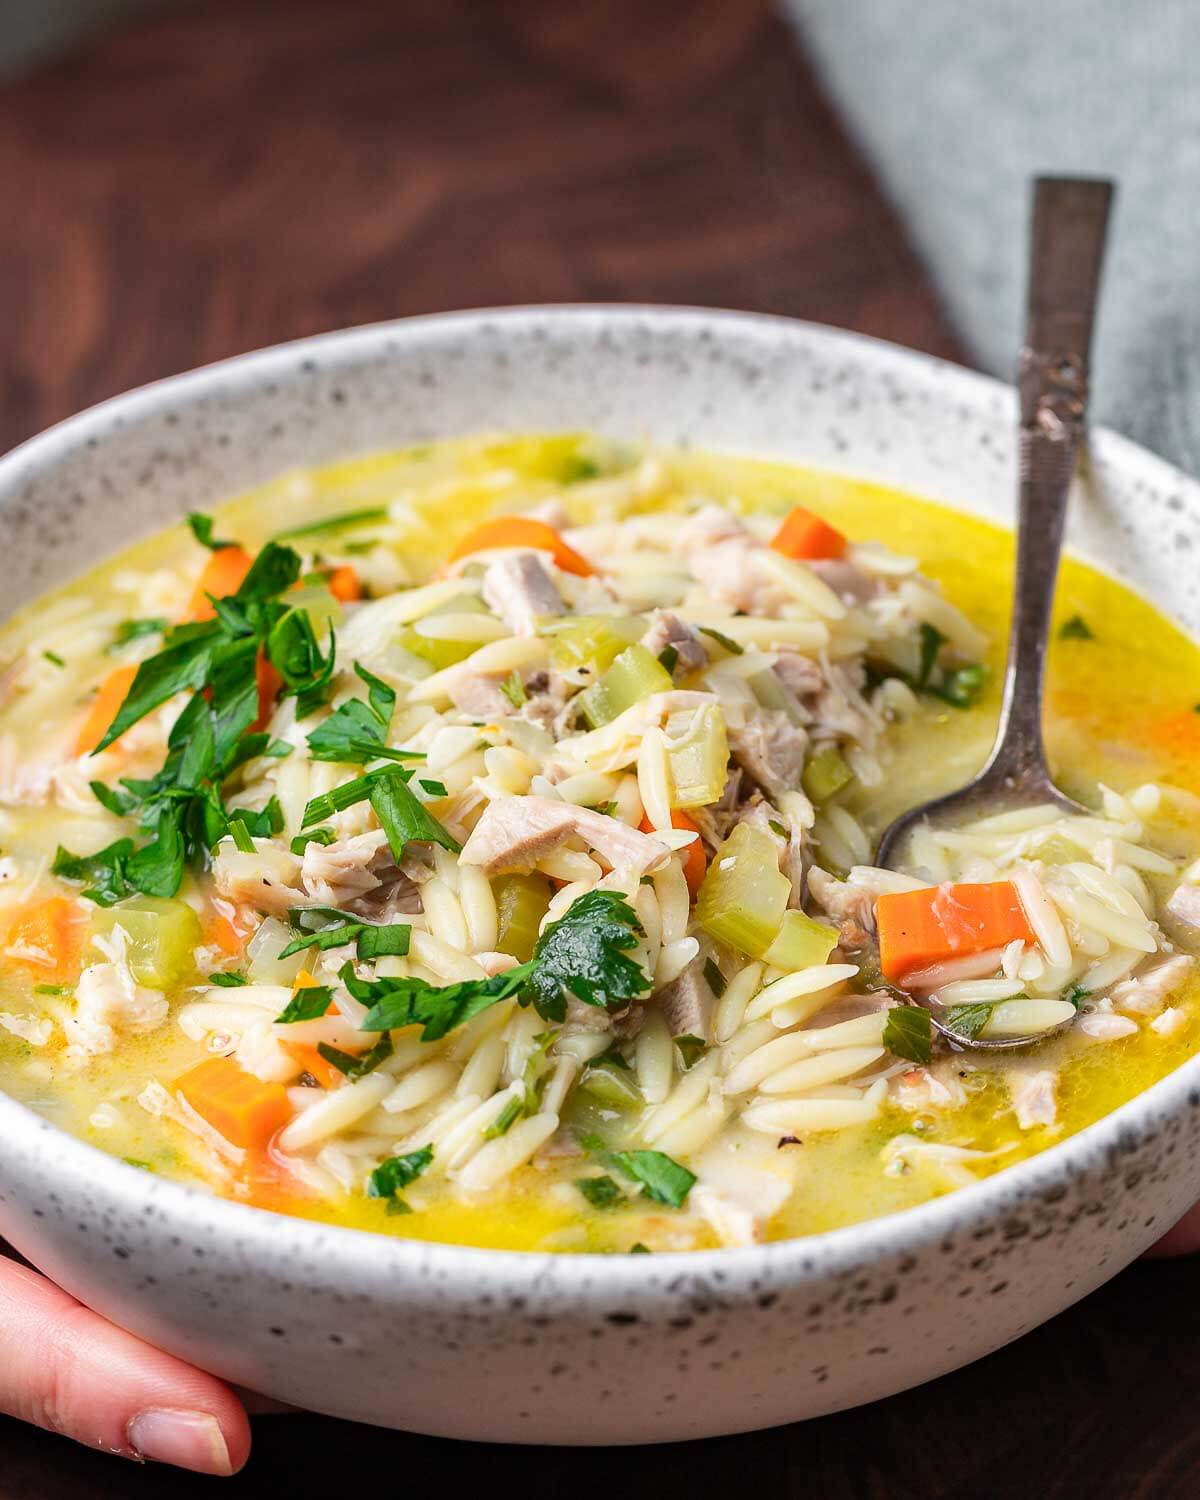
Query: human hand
62	1367
1183	1239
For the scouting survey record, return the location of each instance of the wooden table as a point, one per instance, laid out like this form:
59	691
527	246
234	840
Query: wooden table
214	177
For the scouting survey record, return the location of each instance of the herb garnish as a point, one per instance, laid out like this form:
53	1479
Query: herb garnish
392	1176
306	1004
357	1067
514	689
357	731
1075	629
600	1192
202	529
228	980
968	1020
134	630
584	954
713	977
54	659
330	524
729	645
908	1033
662	1178
668	657
932	641
691	1050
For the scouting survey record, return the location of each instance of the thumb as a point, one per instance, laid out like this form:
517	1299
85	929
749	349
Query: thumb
62	1367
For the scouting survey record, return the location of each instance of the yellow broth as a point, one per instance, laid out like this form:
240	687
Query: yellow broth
1121	711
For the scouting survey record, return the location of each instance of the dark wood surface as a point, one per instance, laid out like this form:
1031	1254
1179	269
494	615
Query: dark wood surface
214	177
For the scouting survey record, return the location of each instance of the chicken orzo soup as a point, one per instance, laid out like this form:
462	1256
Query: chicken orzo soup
474	843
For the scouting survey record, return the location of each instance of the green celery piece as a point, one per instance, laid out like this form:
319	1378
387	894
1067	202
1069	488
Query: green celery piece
440	653
522	901
635	674
744	894
802	943
594	641
322	609
699	758
611	1086
825	774
163	936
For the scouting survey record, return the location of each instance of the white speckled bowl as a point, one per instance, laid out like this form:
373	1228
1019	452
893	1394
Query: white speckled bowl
586	1349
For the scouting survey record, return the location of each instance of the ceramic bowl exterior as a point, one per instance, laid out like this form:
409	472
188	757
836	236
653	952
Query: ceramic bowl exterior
587	1349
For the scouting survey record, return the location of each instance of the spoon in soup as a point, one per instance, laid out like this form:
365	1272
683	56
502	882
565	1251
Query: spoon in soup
1070	221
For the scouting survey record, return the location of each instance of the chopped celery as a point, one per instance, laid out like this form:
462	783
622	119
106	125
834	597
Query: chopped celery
1058	850
594	641
437	652
802	943
825	774
699	758
612	1086
634	675
163	936
318	603
521	903
264	964
744	894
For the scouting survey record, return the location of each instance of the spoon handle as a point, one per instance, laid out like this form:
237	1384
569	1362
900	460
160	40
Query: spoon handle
1070	220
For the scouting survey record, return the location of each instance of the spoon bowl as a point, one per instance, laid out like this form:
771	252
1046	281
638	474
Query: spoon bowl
1070	222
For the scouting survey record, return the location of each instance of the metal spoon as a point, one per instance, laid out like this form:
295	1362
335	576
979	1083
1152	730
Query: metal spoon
1070	220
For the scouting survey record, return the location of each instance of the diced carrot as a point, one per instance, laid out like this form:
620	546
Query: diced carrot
344	584
220	931
523	531
807	537
309	1060
263	1183
224	573
242	1108
694	862
45	938
104	708
919	928
269	683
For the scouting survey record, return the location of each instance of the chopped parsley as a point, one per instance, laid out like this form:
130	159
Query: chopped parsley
134	630
963	687
357	1067
668	657
50	989
391	1177
661	1177
908	1033
585	954
230	979
432	788
312	836
307	1004
691	1050
357	731
506	1119
968	1020
1076	629
54	658
439	1009
932	641
722	640
713	977
202	529
600	1192
1077	994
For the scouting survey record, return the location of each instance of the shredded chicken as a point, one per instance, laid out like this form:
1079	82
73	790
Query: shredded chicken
36	1030
515	832
666	630
520	591
799	674
267	880
1146	993
847	580
918	1089
1183	908
475	694
1035	1098
849	905
108	1003
771	749
686	1003
335	873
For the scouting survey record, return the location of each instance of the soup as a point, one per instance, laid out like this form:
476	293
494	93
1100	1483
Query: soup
474	843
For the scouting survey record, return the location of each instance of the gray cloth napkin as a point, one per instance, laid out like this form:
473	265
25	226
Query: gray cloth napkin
957	103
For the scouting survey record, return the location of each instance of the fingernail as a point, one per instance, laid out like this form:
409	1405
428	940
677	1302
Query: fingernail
186	1439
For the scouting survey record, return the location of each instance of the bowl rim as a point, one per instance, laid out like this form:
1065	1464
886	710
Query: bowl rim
587	1276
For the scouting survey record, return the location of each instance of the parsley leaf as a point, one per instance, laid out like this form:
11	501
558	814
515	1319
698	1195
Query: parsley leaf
202	530
392	1176
313	836
439	1009
908	1033
403	817
102	873
963	687
584	954
134	630
668	657
662	1178
691	1050
513	1109
357	1067
1075	629
600	1192
294	653
932	641
968	1020
714	978
1077	994
275	569
357	731
306	1004
183	665
230	979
